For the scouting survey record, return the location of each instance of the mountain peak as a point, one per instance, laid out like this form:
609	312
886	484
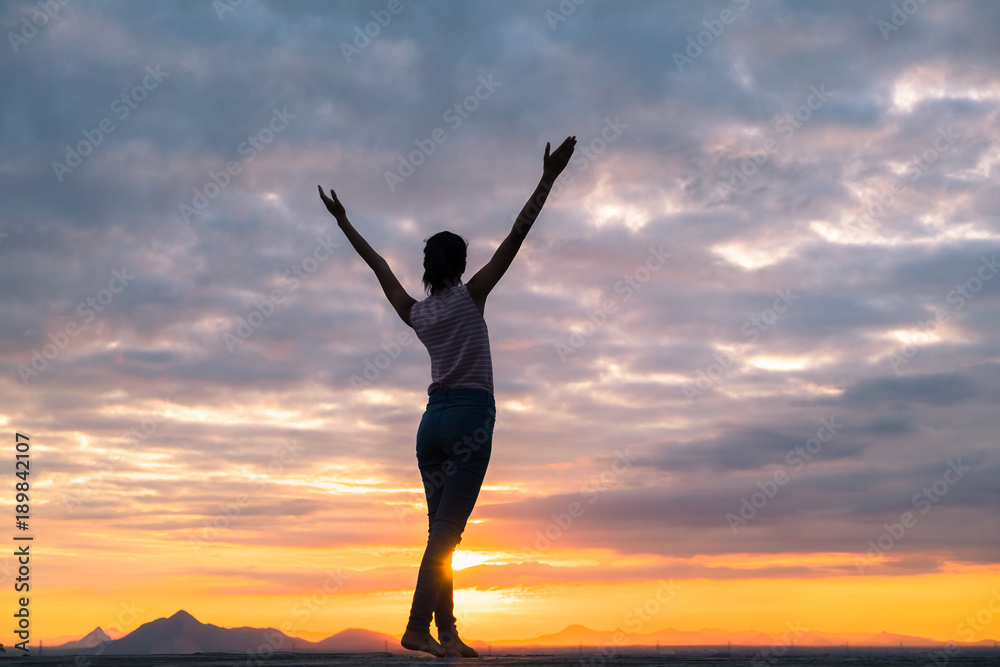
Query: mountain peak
90	640
182	615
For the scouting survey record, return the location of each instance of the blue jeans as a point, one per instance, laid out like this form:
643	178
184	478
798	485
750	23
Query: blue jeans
454	442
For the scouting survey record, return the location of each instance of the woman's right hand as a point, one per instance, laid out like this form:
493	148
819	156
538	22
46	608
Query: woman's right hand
553	165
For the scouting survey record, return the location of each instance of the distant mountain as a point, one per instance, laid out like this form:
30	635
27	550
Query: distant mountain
90	640
707	637
578	635
182	633
571	635
889	639
357	640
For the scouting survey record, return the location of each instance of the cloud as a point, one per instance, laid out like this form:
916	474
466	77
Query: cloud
936	389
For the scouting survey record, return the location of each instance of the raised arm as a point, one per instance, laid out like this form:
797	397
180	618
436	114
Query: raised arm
400	300
481	284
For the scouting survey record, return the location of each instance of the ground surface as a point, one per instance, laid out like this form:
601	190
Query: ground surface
817	658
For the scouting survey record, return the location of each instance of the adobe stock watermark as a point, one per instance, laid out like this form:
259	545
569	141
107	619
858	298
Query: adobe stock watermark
228	513
137	433
968	630
372	29
975	623
8	568
919	164
122	106
584	157
786	125
223	7
635	622
375	366
588	152
698	44
87	310
963	293
943	656
264	308
126	616
795	460
429	312
589	494
752	328
772	654
454	116
923	500
36	21
218	181
245	327
303	609
463	450
899	17
630	283
565	9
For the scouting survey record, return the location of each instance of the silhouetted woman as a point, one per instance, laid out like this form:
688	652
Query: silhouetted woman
455	435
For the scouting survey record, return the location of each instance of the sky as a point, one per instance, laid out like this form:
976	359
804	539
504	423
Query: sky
748	353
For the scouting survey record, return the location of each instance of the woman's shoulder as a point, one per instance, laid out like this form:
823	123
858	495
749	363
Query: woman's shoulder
450	295
437	303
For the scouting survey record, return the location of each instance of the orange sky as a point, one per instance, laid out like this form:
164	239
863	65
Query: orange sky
314	593
120	572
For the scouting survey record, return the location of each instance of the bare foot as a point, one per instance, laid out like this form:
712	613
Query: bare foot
455	647
422	641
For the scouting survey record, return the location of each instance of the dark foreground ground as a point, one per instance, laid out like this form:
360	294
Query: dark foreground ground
695	657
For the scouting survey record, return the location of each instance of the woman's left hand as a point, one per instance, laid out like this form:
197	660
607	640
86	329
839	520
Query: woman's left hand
333	204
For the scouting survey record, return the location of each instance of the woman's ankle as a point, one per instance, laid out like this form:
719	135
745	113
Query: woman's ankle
421	640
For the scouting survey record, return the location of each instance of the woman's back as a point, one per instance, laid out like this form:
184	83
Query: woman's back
455	334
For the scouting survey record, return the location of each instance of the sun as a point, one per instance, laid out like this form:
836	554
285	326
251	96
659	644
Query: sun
463	559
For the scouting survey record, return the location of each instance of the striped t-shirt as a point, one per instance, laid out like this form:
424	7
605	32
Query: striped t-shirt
454	332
